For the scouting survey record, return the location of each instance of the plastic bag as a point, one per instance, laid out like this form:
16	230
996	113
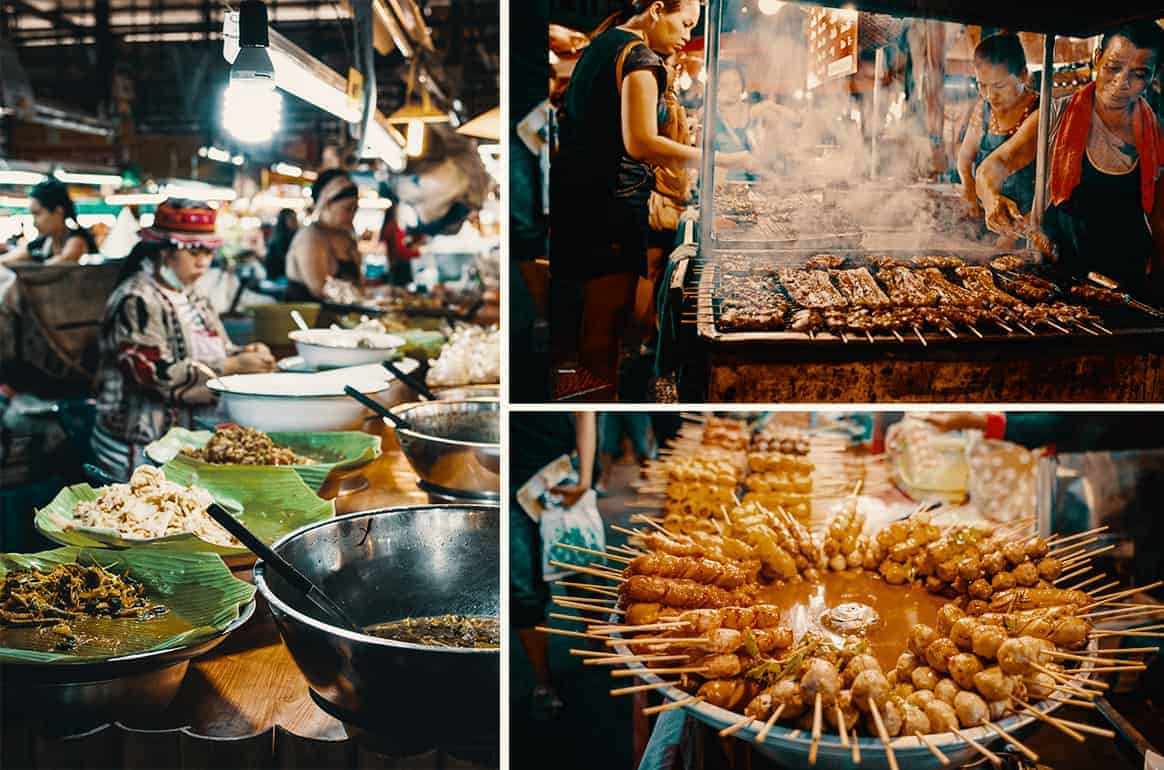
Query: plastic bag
580	525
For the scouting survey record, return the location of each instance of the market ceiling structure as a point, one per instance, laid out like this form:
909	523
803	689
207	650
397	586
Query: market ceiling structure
89	57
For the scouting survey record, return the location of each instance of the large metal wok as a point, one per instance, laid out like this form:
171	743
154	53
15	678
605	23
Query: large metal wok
454	446
389	565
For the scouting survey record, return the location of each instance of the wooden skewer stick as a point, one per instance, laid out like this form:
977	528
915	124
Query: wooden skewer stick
642	688
1104	587
652	523
899	339
563	632
1025	328
856	746
1071	701
816	727
1124	613
767	728
1013	741
574	618
1057	326
1090	331
1074	560
994	758
1077	691
1129	650
1079	586
593	653
1128	632
1102	328
637	672
594	571
630	532
933	749
672	705
1070	575
1056	552
735	728
841	725
592	601
1053	721
1114	669
920	337
595	552
1078	535
876	712
667	626
977	334
1085	728
620	660
1122	594
593	589
1083	658
950	331
691	640
586	607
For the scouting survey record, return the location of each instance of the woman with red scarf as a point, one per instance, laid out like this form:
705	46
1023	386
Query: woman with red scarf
1106	205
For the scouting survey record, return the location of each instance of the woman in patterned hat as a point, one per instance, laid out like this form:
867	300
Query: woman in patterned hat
325	252
161	341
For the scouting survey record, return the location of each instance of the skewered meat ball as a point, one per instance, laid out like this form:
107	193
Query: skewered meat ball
985	641
892	717
856	665
916	720
970	709
1026	574
939	652
725	693
786	692
700	570
820	677
1002	581
947	615
962	631
1050	569
963	667
993	563
1039	684
920	637
943	718
848	710
906	663
923	678
920	698
994	684
945	690
870	684
1020	654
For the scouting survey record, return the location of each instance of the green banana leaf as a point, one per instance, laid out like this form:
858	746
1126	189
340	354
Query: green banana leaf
341	450
270	501
199	591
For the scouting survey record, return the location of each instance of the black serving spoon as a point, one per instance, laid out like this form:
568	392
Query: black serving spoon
413	382
397	420
293	576
98	476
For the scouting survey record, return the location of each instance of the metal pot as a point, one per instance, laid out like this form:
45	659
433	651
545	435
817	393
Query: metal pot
116	688
389	565
454	446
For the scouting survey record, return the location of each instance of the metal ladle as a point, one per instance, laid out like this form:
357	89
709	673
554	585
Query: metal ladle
293	576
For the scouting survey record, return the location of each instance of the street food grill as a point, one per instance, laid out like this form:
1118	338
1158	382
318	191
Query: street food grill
925	637
885	298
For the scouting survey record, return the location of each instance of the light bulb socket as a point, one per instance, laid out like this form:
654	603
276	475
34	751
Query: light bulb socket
252	24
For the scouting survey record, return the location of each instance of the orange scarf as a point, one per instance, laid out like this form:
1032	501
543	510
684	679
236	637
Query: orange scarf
1071	144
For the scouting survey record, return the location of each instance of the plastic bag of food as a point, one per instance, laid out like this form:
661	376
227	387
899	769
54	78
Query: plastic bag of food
579	525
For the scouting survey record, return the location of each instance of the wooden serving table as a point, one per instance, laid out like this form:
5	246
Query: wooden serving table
245	704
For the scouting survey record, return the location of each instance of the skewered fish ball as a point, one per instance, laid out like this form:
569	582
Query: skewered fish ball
920	698
998	709
1050	568
947	616
901	690
870	684
963	668
962	632
947	571
906	663
939	652
945	690
1026	574
923	678
1040	685
969	569
943	718
1016	656
916	720
849	712
977	607
920	637
1014	553
993	684
985	641
993	563
892	717
858	664
820	677
1002	581
1037	548
970	709
981	589
725	693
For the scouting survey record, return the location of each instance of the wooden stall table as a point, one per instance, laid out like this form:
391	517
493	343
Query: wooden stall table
245	704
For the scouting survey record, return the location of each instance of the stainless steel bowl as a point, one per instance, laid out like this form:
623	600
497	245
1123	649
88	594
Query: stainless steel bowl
389	565
111	689
454	446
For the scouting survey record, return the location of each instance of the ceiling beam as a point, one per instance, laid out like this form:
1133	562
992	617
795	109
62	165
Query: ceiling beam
54	17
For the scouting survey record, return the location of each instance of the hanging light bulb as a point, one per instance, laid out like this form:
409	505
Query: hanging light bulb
252	109
414	144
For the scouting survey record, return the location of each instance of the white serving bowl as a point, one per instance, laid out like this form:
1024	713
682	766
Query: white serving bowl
335	348
287	401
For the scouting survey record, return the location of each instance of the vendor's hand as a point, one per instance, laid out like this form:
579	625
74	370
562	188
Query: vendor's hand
971	207
571	493
249	363
951	421
1003	216
257	347
566	40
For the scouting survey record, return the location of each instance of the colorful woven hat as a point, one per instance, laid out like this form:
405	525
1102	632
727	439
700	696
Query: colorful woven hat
183	223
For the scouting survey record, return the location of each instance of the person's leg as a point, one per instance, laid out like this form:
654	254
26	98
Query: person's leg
528	597
606	305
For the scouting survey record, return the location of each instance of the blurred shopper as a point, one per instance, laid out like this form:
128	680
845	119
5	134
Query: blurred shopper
162	341
326	249
59	238
400	252
286	225
616	129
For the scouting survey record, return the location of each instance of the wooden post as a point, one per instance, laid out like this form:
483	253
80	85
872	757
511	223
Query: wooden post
1042	157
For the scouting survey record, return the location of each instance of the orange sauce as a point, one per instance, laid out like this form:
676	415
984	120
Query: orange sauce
898	608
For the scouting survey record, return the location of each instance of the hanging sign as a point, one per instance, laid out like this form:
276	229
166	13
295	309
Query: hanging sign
832	44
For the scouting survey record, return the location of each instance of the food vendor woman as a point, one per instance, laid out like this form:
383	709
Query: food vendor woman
1106	212
326	249
1000	66
59	238
733	117
613	135
161	341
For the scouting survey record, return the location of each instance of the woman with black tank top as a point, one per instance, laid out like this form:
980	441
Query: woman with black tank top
59	238
1106	212
326	248
603	174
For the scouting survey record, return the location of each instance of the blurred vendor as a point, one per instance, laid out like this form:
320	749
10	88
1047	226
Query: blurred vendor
1000	66
161	341
59	238
325	251
1106	212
